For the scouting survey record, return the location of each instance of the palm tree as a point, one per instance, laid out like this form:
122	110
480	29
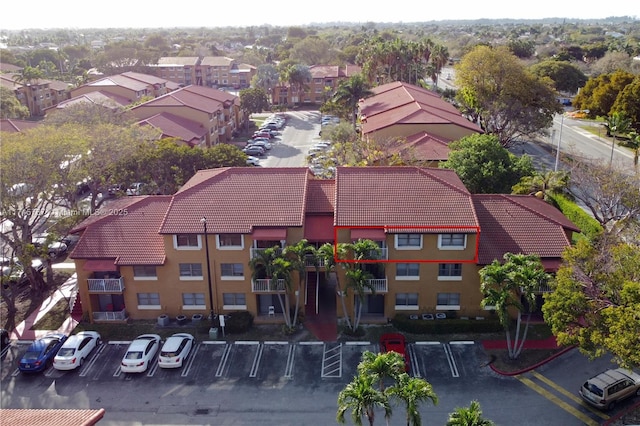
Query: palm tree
358	279
471	416
270	264
543	184
297	254
506	285
412	391
350	92
328	254
298	76
617	122
28	75
381	366
362	398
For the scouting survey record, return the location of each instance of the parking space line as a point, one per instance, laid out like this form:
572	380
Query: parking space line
311	343
560	403
357	343
568	394
85	369
288	371
427	343
332	361
462	342
223	361
191	357
154	365
451	360
256	361
413	359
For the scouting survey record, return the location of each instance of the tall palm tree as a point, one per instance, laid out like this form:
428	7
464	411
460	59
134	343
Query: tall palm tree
298	76
412	391
543	184
328	254
359	279
362	398
270	264
505	286
297	255
382	366
350	92
471	416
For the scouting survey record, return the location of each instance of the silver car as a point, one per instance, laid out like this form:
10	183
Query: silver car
606	389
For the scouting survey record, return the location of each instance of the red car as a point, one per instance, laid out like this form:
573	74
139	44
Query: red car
397	343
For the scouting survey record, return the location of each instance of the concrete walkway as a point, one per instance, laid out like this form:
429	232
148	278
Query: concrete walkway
68	290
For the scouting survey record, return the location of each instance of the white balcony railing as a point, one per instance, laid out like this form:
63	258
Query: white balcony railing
264	285
106	285
308	261
110	316
378	284
256	251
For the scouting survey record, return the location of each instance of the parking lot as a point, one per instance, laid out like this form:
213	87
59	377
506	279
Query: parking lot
268	362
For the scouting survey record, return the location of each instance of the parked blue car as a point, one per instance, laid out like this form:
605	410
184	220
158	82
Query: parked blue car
41	352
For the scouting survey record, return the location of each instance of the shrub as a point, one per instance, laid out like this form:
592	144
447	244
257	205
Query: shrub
589	226
238	322
445	326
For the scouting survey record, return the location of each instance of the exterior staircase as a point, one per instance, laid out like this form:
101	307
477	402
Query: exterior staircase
76	311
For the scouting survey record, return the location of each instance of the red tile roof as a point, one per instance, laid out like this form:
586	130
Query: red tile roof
333	71
173	126
402	196
425	147
235	199
519	224
51	417
402	103
98	97
128	234
321	196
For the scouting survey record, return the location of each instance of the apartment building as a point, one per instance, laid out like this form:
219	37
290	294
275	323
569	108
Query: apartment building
216	112
131	86
38	94
180	70
189	253
208	71
323	84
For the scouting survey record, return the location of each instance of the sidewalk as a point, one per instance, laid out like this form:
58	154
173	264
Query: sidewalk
67	290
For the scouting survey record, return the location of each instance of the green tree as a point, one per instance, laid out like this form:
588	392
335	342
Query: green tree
350	92
566	76
634	144
359	279
512	285
485	166
412	391
298	76
28	75
254	100
627	103
543	184
297	254
617	123
468	416
596	299
600	93
388	365
269	264
362	398
10	106
506	100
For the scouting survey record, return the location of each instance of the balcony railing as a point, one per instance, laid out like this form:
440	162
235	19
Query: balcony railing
256	251
110	316
382	254
106	285
378	284
308	261
264	285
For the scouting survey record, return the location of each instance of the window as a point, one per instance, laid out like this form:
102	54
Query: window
230	271
186	242
448	301
452	241
450	271
144	272
149	301
229	241
190	271
234	301
407	271
406	301
408	241
193	300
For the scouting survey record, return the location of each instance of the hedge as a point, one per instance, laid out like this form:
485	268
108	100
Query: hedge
588	225
445	326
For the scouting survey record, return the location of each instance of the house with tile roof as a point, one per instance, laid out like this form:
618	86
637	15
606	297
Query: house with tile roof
422	117
142	257
217	112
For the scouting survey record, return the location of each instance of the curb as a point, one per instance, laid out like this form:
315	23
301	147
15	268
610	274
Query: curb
534	366
620	415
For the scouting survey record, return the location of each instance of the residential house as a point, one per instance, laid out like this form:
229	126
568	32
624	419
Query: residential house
323	84
218	112
401	110
147	256
131	86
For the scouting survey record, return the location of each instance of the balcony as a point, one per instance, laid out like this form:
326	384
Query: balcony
106	285
110	316
308	262
383	254
379	285
255	252
265	285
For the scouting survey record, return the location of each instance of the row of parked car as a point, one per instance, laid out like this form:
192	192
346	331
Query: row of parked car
262	139
68	353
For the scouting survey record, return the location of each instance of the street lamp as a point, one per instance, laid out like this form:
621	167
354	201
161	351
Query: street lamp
206	245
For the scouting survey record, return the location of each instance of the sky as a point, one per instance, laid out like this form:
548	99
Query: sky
147	14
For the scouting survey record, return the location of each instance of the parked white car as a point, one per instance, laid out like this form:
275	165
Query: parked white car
253	161
76	350
140	353
175	350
